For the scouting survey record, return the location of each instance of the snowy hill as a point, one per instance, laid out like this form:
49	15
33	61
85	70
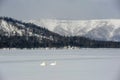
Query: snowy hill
12	27
107	30
14	32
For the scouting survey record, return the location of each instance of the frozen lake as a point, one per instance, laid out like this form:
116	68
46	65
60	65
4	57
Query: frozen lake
79	64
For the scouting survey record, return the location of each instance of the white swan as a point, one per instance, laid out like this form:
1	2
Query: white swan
43	64
53	63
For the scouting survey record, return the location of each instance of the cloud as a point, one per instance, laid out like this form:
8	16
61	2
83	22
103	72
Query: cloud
2	2
118	3
61	9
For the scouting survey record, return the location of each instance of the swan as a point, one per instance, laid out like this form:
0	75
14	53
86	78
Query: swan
53	63
43	64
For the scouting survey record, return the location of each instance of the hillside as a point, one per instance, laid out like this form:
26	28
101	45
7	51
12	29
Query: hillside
18	34
104	30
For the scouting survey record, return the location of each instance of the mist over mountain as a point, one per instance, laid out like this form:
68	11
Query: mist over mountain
58	34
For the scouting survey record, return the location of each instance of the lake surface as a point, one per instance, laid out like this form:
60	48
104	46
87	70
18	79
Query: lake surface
78	64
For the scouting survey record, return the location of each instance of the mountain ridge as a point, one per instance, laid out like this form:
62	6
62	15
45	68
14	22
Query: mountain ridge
104	29
19	34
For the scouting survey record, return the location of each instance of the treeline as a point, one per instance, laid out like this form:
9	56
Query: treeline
35	42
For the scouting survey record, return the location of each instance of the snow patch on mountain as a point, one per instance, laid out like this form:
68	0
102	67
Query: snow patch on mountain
9	29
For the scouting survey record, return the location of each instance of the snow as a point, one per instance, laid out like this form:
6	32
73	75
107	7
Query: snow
10	29
6	27
78	64
94	29
45	23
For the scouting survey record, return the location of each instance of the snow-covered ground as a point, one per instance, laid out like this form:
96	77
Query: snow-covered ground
78	64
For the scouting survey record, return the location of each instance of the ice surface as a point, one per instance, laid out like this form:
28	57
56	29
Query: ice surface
79	64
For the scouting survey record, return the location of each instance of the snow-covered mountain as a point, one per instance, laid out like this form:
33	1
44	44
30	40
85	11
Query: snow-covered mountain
15	33
19	34
108	30
13	27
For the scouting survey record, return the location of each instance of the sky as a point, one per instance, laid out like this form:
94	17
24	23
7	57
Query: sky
60	9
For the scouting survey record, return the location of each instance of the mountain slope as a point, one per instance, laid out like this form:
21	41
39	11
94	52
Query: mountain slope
17	34
105	30
12	27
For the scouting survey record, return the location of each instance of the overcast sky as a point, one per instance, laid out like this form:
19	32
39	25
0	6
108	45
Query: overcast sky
60	9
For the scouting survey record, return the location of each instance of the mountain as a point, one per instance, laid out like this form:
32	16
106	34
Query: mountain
18	34
11	27
104	30
14	32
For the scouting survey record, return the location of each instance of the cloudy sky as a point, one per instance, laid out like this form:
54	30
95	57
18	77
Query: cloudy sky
60	9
